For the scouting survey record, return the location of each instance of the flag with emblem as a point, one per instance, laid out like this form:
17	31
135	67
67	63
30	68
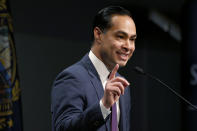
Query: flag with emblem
10	100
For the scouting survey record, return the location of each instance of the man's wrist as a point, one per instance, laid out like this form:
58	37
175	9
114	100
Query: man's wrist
105	111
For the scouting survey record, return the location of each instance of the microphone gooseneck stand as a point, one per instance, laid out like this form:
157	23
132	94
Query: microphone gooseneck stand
141	71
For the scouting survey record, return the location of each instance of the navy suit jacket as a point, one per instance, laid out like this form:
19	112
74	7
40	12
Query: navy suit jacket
75	101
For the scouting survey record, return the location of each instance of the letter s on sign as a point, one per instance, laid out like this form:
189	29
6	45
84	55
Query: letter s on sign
193	71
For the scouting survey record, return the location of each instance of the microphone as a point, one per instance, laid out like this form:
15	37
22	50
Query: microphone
141	71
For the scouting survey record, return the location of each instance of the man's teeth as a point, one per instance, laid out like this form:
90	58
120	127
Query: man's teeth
123	55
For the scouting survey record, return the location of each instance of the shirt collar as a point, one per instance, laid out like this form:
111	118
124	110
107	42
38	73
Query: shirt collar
100	67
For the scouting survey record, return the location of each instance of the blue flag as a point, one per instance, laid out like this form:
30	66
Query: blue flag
10	100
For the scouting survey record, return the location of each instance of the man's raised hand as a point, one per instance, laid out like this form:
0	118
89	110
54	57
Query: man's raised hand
114	87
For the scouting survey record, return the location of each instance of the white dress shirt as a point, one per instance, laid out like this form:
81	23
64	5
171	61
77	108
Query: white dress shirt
103	74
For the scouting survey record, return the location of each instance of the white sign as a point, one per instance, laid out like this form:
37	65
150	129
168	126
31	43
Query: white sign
193	71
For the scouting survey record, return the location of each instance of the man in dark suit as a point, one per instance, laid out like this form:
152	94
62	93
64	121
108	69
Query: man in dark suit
90	95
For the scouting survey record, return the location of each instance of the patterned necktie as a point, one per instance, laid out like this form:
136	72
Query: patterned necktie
114	122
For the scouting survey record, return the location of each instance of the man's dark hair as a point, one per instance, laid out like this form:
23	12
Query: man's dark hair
103	17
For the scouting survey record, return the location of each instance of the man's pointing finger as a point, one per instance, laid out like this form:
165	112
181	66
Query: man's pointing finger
113	73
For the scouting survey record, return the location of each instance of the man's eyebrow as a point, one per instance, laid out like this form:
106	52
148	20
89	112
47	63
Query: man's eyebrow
134	36
124	33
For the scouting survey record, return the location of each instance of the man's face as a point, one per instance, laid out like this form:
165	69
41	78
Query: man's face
117	44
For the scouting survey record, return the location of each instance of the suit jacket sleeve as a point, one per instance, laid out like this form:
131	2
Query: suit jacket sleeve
69	107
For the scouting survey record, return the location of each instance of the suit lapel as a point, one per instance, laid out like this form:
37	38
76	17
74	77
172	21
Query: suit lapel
94	77
97	85
96	82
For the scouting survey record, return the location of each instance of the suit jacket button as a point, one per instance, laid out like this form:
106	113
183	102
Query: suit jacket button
96	123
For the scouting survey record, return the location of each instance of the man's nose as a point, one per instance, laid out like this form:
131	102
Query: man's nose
128	46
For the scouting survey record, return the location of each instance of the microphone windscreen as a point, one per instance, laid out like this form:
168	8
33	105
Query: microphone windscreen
139	70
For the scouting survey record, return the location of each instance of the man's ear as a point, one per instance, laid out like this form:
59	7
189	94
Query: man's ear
97	34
